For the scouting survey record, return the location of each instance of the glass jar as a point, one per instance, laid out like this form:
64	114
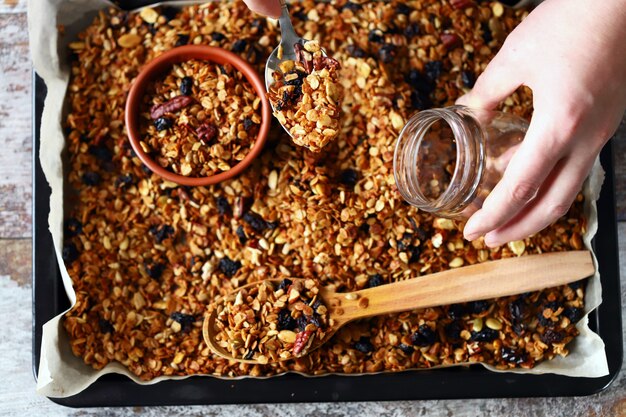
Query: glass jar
448	160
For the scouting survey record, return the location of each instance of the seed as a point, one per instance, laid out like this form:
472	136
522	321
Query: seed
477	324
494	324
517	247
129	40
497	9
272	180
456	262
149	15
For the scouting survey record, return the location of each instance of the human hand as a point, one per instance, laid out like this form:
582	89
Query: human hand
571	54
269	8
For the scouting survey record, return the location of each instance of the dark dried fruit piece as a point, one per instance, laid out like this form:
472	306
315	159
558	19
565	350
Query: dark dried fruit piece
375	36
574	314
355	51
247	123
364	345
186	85
154	271
478	307
186	321
414	254
302	339
387	53
457	311
69	253
124	180
375	280
241	234
510	355
551	336
412	30
285	321
105	326
239	45
485	335
433	69
348	177
468	79
217	36
284	284
403	8
256	222
162	232
453	330
451	40
101	152
424	336
72	227
228	266
91	178
182	40
223	206
162	123
406	348
461	4
353	7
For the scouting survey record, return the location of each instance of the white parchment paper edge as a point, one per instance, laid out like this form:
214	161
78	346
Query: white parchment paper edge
62	374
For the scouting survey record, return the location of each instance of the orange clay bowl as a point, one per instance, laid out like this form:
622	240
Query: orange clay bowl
161	64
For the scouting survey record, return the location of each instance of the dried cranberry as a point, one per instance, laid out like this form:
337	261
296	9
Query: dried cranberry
162	123
91	178
223	206
69	253
182	39
72	227
510	355
217	36
485	335
105	326
424	336
186	85
239	45
186	321
375	281
551	336
285	321
387	53
364	345
228	266
348	177
406	348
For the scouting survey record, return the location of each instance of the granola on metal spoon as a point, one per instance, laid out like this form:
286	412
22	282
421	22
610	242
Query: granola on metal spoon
306	96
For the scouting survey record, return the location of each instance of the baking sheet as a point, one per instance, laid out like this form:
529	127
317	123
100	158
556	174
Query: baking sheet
60	372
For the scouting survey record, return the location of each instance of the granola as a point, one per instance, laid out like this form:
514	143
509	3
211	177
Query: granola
201	118
146	256
306	96
268	322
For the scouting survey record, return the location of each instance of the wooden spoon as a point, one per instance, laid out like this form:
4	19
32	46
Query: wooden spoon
486	280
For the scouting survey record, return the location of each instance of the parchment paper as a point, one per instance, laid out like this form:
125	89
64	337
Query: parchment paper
62	374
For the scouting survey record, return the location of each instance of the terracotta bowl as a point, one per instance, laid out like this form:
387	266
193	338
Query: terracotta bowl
157	68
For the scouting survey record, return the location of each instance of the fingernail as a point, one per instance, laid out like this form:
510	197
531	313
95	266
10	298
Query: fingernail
472	236
492	242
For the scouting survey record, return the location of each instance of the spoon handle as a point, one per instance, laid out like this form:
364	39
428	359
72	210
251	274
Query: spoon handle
499	278
288	35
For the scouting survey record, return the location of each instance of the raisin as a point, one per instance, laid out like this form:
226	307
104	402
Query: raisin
353	7
414	254
314	320
239	45
285	321
256	222
453	330
70	253
574	314
162	232
404	243
433	69
284	284
228	266
486	35
162	123
365	228
186	321
424	336
316	305
154	271
485	335
419	82
478	307
356	52
223	206
468	79
457	311
375	36
241	234
387	53
510	355
301	323
412	30
406	348
72	227
348	177
375	280
402	8
298	80
182	39
186	85
518	310
91	178
101	153
551	336
247	123
364	345
169	12
217	36
418	102
105	326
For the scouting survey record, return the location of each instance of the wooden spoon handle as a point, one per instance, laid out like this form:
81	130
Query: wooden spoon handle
499	278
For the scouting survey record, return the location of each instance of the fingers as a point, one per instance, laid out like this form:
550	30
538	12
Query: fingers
521	181
269	8
496	83
555	199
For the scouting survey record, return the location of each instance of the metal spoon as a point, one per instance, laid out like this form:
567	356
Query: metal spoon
476	282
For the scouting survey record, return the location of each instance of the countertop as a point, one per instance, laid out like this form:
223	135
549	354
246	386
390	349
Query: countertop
17	394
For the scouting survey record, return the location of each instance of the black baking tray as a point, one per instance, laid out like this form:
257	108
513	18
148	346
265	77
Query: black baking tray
49	300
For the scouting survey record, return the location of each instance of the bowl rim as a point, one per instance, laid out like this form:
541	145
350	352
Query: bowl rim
166	60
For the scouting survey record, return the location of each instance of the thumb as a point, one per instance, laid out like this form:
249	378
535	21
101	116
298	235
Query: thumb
499	80
269	8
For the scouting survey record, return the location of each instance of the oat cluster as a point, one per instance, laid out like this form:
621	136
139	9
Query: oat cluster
306	96
200	119
268	322
147	257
